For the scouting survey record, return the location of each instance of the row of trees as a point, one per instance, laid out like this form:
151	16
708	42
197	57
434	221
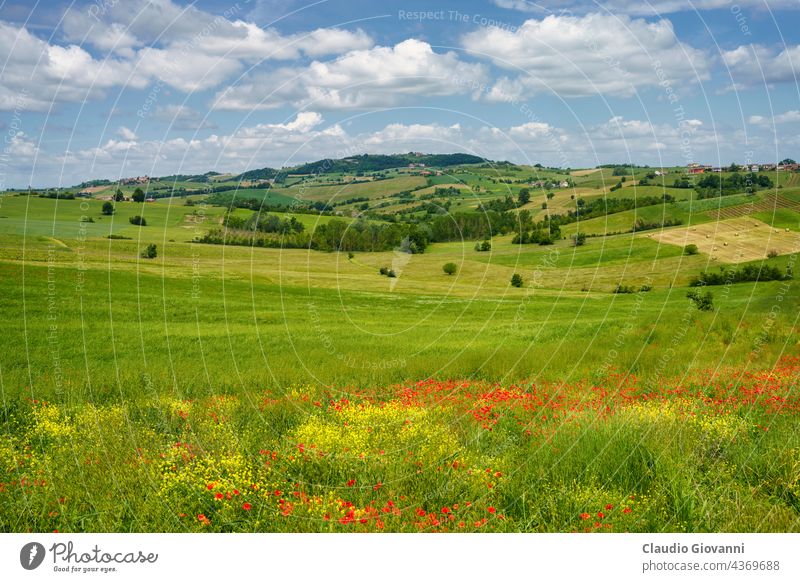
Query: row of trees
745	273
263	222
472	225
539	235
336	235
713	185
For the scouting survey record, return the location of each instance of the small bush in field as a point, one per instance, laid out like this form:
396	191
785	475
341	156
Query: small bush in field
150	252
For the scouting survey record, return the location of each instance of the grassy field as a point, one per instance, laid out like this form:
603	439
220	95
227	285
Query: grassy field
340	192
218	388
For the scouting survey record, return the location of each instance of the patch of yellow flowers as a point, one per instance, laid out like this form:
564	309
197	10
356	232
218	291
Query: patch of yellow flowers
367	430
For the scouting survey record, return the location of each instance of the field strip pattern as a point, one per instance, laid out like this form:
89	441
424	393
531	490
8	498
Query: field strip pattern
769	203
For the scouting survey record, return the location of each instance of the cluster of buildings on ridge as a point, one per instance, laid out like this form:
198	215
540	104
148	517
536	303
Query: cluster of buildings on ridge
702	168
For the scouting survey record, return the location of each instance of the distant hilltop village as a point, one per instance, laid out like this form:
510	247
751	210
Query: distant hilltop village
785	166
135	181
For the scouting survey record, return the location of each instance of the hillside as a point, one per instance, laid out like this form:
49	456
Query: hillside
377	163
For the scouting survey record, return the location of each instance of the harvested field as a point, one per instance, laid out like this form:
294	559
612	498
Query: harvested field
580	173
736	240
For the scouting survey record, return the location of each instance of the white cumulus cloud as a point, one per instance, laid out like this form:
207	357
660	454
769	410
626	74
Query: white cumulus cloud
753	65
377	77
587	55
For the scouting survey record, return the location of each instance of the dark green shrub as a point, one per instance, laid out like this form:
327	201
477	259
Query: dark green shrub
579	239
150	252
703	301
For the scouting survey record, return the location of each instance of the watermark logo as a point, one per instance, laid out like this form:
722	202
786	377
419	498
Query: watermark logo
31	555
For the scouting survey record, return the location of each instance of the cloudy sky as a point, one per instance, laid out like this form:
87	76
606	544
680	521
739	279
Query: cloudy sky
116	88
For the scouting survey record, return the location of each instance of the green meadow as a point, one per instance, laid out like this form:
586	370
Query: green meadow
235	388
210	318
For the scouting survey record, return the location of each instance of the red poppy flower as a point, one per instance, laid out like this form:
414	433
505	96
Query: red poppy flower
491	509
626	510
585	516
609	507
351	482
219	496
445	510
600	514
246	506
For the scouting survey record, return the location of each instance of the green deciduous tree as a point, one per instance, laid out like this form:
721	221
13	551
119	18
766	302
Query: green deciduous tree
150	251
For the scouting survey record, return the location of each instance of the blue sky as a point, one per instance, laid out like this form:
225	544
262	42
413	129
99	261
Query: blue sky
115	88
